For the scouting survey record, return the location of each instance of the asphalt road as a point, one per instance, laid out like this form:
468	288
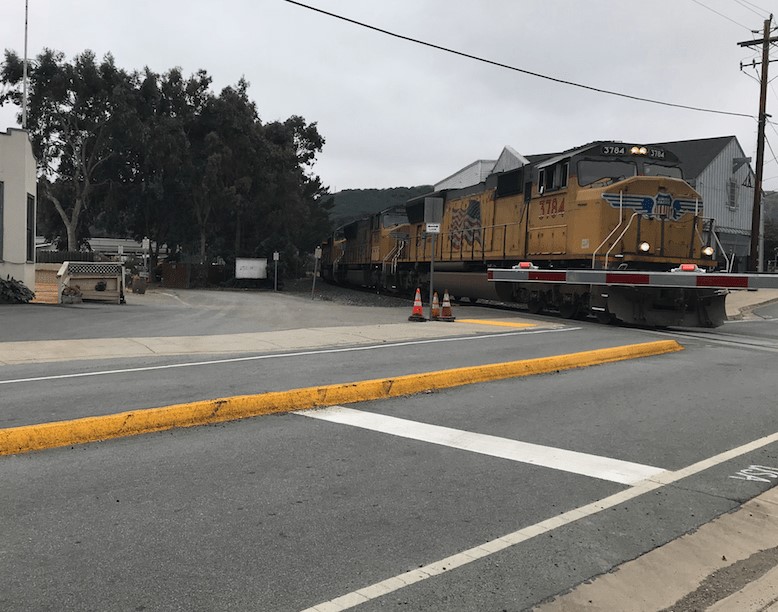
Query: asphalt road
288	511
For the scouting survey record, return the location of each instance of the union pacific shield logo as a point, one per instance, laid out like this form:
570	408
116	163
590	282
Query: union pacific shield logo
661	205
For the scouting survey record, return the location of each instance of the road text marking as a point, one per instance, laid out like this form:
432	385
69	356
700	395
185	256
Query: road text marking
757	473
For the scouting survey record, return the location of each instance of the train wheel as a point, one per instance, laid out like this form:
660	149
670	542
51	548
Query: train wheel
535	305
605	317
568	310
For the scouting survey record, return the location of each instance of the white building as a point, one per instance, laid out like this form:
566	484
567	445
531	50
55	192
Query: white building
477	172
17	207
720	172
469	175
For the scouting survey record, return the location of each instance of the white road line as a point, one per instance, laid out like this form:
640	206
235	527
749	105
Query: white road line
372	347
739	342
465	557
604	468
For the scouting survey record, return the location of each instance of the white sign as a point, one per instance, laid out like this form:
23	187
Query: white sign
433	228
317	253
276	256
251	268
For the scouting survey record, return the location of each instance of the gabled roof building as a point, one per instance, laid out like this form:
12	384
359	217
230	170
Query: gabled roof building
471	174
720	171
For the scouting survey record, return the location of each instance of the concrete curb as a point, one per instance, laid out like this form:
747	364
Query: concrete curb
28	438
746	311
681	575
740	304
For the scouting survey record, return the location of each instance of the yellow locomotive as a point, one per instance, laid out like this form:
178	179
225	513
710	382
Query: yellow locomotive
605	205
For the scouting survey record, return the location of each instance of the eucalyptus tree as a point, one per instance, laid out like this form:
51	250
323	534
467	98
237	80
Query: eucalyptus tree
151	186
74	116
159	155
296	206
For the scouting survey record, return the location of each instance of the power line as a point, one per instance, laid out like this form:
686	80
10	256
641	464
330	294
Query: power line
762	14
769	146
514	68
772	125
720	14
745	5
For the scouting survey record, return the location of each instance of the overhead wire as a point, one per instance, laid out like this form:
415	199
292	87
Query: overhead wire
769	146
745	6
772	125
516	69
721	14
756	6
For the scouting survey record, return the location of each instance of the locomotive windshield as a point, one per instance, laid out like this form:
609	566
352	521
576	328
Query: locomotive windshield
660	170
610	171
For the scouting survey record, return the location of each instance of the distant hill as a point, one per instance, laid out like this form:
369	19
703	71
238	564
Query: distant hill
351	204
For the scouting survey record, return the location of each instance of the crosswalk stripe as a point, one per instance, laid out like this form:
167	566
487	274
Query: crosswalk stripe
595	466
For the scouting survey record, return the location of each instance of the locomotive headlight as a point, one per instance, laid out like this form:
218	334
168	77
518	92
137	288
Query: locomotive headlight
644	247
708	251
639	151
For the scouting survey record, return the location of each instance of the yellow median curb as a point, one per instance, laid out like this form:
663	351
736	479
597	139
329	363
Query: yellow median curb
91	429
496	323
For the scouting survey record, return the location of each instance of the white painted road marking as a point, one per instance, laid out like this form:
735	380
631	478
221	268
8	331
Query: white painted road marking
604	468
371	347
758	473
384	587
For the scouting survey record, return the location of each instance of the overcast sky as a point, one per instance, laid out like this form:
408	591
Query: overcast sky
394	113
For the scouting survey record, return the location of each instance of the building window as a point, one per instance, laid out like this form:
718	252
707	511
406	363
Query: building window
30	228
732	193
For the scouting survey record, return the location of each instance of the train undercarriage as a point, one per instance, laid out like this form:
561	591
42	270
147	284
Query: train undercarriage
650	306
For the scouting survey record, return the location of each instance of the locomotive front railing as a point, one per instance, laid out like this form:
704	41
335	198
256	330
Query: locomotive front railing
621	235
604	242
728	263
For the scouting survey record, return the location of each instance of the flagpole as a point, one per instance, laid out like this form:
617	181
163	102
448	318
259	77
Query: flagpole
24	76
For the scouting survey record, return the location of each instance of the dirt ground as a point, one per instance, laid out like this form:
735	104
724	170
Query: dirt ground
343	295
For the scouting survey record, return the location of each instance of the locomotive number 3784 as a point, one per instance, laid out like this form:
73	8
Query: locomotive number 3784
551	207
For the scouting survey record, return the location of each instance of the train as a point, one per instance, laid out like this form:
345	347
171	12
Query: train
606	205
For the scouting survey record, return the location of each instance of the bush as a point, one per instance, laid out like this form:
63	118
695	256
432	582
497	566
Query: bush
13	291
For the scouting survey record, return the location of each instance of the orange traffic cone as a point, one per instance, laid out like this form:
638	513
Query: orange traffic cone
435	310
418	312
446	314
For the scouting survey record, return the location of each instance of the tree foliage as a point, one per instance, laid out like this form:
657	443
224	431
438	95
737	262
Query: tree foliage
73	113
142	154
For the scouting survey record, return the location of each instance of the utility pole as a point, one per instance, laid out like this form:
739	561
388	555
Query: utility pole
754	263
24	69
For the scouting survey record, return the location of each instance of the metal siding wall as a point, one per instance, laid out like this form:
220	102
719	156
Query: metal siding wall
464	178
713	185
